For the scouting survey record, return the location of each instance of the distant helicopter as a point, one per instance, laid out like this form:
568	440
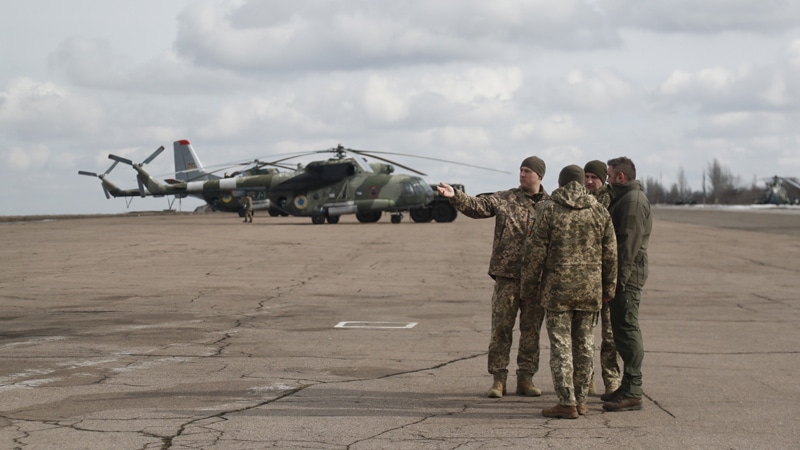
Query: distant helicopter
322	190
781	191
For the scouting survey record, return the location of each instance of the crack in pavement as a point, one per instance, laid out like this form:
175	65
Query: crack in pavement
168	441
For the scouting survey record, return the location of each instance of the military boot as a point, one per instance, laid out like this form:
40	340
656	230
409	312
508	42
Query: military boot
525	385
561	412
498	389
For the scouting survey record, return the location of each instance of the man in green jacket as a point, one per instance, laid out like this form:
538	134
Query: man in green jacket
630	212
513	211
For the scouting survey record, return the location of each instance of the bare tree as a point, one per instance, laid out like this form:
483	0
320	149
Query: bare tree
721	183
684	191
653	190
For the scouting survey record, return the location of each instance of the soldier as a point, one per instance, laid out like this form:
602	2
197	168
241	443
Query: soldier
595	182
248	208
571	262
630	213
513	211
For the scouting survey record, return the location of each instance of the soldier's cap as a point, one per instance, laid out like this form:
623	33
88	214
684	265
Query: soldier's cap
598	168
570	173
535	164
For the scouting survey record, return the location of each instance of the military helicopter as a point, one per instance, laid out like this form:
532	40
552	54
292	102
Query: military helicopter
322	190
781	191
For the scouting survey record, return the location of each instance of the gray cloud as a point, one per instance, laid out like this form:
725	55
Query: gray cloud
486	83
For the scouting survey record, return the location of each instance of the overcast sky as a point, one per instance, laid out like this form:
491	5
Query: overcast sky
670	83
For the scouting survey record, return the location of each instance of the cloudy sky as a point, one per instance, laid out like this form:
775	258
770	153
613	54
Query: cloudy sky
670	83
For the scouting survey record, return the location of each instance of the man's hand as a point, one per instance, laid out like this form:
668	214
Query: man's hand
445	190
606	299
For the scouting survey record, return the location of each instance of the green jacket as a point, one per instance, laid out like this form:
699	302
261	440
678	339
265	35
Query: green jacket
571	255
513	212
630	212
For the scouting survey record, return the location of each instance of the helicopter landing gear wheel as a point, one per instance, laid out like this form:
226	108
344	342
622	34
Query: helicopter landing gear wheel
369	217
444	213
423	214
397	218
333	219
317	219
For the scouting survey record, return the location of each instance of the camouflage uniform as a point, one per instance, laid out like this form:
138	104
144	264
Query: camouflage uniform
248	209
571	262
513	211
609	360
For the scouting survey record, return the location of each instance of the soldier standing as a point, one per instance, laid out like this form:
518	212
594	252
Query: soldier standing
571	262
630	213
513	211
595	182
248	208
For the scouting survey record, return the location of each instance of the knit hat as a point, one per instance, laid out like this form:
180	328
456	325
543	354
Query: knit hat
570	173
535	164
598	168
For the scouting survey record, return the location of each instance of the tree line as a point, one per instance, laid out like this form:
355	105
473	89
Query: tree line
720	186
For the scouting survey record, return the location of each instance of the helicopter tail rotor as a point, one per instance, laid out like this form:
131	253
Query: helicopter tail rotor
101	177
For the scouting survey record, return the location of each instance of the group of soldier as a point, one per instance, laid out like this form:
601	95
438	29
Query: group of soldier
570	259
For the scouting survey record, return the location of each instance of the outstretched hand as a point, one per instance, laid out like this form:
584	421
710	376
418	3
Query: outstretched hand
445	190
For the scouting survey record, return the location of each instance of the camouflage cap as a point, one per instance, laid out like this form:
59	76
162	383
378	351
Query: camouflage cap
570	173
535	164
598	168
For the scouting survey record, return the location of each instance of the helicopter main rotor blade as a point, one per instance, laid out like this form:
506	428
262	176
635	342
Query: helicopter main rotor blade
91	174
433	159
380	158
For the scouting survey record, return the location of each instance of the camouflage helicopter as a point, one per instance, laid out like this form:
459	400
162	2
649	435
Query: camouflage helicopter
322	190
781	191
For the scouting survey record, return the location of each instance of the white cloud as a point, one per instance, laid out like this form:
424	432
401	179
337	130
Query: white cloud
352	36
26	160
595	90
669	83
477	84
704	16
458	137
556	128
384	100
30	109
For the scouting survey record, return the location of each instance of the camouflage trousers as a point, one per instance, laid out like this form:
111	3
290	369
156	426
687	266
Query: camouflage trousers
506	303
609	359
571	353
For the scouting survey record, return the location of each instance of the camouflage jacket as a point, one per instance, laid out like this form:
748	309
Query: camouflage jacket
513	211
571	255
602	195
630	212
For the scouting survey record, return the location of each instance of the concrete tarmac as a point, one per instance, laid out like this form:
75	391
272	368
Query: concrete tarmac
198	331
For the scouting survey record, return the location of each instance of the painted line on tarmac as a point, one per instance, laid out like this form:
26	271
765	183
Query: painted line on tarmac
377	325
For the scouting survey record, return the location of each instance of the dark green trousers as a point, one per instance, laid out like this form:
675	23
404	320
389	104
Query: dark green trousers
628	338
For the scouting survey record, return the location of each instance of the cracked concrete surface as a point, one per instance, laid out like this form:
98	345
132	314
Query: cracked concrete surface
191	331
